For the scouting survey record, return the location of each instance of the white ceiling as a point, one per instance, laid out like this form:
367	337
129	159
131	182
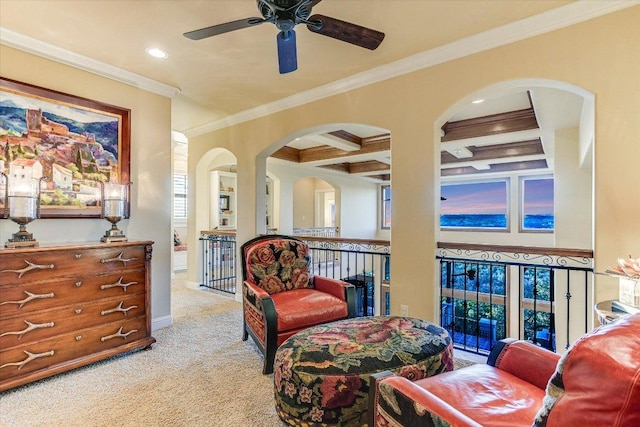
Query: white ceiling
230	73
226	76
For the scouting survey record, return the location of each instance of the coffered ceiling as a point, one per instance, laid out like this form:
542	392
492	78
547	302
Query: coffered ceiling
496	136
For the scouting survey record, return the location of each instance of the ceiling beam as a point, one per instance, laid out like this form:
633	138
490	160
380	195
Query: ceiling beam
316	154
368	167
494	124
502	167
347	136
489	152
287	153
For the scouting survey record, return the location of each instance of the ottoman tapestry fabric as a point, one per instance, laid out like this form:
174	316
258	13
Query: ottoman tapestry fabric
322	374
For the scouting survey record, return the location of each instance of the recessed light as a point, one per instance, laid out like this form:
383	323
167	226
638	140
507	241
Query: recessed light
478	101
157	53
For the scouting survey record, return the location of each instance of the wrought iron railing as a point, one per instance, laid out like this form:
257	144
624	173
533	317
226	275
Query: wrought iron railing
219	264
492	292
364	263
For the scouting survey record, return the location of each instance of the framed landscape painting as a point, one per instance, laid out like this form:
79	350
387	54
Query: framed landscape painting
74	142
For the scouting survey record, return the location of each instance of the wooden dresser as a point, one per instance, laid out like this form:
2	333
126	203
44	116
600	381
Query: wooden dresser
66	306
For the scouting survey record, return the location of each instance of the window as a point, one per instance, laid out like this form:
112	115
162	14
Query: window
537	204
386	206
474	206
179	196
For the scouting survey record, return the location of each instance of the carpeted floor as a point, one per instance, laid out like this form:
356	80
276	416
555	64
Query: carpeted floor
199	373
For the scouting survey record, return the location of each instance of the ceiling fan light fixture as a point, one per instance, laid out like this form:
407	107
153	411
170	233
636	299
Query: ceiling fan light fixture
157	53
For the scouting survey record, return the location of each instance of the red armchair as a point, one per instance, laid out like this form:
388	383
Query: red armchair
281	297
595	383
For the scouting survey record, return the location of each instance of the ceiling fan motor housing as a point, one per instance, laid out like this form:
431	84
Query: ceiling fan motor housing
286	14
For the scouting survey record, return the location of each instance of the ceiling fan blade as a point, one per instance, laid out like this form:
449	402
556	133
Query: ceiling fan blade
346	31
214	30
287	55
314	2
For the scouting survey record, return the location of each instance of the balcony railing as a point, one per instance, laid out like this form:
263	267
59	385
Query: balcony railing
363	263
487	292
492	292
219	265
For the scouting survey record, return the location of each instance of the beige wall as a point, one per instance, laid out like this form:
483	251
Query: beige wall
304	202
150	166
599	56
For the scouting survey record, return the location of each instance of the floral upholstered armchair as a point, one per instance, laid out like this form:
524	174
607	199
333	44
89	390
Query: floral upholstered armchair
281	297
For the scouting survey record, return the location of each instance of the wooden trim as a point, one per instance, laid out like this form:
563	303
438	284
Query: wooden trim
368	166
567	252
326	152
372	242
287	153
218	233
347	136
498	151
512	121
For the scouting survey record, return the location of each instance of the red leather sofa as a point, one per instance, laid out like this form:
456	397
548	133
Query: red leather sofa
595	383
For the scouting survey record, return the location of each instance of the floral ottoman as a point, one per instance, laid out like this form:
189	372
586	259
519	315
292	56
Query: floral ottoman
322	374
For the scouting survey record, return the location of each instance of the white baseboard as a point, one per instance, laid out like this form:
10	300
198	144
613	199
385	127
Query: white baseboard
191	285
161	322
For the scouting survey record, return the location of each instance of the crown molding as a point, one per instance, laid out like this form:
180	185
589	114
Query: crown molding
573	13
55	53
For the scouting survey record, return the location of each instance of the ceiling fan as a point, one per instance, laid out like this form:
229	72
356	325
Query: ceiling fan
286	14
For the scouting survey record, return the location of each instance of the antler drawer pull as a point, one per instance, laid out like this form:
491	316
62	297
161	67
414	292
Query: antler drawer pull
30	296
118	283
118	308
117	259
30	266
30	327
30	357
118	334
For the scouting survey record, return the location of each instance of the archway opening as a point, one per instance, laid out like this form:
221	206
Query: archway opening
515	179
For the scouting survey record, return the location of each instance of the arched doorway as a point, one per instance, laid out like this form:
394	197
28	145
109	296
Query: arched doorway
516	170
353	158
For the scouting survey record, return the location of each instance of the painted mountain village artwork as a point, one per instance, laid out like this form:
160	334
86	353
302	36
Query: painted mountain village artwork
74	148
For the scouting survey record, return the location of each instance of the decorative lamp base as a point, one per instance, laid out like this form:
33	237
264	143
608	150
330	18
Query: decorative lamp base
21	239
113	235
106	239
11	243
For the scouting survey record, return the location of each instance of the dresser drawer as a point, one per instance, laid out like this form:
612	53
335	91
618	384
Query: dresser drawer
66	306
40	325
16	300
23	267
46	354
